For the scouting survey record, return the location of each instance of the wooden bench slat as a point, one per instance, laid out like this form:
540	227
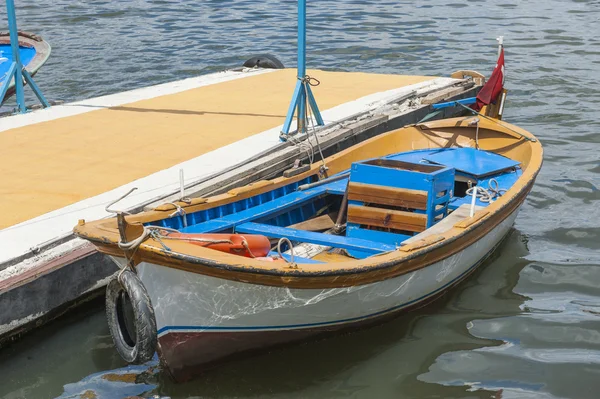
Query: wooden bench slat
385	195
398	220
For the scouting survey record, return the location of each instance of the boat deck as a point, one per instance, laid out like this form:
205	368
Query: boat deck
67	162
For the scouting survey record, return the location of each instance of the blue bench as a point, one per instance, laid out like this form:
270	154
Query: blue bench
358	244
268	209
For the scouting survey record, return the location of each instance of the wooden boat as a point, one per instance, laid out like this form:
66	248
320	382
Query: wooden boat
392	226
34	53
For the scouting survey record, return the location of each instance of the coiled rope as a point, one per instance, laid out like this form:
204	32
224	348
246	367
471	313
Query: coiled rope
490	194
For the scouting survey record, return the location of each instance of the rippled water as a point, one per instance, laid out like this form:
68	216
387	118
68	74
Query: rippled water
525	325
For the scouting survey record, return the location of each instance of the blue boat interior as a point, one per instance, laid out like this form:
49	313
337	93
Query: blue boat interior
389	200
6	58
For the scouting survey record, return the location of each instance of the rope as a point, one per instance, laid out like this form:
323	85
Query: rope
196	239
430	115
106	208
291	262
495	121
488	195
147	232
308	80
179	211
245	244
305	145
156	233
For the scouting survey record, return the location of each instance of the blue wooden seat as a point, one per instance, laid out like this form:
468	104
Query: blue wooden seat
388	200
268	209
477	163
350	243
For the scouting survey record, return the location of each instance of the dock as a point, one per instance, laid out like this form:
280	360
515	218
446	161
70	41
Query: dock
222	130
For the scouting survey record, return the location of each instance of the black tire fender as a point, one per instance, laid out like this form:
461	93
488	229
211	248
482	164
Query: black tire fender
264	61
131	319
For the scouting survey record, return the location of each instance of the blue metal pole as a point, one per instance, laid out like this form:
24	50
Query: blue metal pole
302	96
36	90
301	39
14	44
301	114
16	70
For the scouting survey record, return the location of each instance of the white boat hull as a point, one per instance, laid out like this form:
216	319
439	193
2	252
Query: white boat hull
203	320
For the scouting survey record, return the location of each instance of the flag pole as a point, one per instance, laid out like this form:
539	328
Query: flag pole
500	40
503	92
303	95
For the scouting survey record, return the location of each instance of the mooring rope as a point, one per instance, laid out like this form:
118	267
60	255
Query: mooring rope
156	233
305	145
308	80
471	110
179	211
496	121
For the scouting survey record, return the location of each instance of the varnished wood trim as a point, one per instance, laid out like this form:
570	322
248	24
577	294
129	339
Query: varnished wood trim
463	224
171	206
398	220
250	187
425	242
384	195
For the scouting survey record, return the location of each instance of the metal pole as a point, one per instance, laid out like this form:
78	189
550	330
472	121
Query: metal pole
500	40
302	96
16	70
14	44
301	114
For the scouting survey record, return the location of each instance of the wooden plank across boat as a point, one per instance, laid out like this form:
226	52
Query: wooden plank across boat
406	231
34	53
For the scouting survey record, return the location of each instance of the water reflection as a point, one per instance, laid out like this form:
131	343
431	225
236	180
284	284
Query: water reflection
551	348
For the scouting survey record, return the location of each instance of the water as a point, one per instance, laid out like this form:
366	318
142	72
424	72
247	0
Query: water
526	325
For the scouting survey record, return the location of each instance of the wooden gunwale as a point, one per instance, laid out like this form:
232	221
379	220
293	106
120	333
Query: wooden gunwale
341	274
334	278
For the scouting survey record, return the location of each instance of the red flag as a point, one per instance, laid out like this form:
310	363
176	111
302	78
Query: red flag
493	87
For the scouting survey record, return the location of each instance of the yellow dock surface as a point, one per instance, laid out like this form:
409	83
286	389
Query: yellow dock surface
49	165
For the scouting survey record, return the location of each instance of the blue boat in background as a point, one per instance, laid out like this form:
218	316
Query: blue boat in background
34	53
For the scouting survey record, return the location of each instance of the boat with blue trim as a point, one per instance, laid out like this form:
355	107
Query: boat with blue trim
34	52
379	228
